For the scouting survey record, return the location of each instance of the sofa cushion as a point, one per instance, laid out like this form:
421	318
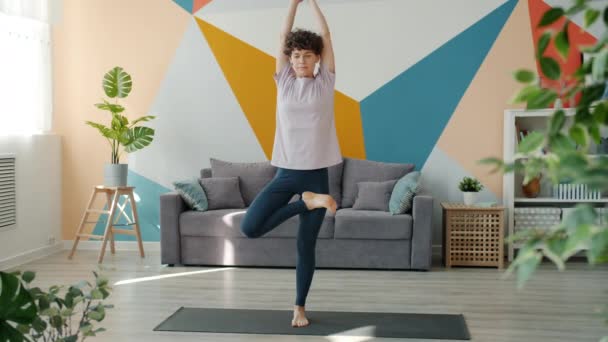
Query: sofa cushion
374	195
222	192
403	193
227	223
206	172
192	193
253	176
371	224
360	170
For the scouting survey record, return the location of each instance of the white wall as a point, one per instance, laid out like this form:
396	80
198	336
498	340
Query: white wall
38	178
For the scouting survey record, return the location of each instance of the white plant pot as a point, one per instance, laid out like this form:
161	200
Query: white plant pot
470	197
115	174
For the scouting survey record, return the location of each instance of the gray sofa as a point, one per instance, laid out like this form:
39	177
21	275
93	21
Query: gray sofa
348	239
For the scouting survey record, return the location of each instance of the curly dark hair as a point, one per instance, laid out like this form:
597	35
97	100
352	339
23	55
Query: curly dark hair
301	39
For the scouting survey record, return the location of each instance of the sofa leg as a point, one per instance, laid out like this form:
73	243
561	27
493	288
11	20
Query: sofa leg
170	265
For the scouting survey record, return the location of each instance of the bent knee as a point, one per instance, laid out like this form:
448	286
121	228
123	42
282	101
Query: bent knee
249	230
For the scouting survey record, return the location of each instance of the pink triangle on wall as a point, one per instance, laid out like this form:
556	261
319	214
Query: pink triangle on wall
198	4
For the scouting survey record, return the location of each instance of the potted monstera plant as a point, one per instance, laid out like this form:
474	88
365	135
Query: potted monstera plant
117	84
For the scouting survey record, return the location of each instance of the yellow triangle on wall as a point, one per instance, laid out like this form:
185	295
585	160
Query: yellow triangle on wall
249	71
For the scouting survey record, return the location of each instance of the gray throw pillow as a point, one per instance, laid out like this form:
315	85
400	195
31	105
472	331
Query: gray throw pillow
253	176
360	170
222	192
374	195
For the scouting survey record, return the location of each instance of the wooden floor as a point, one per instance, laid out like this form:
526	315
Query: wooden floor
555	306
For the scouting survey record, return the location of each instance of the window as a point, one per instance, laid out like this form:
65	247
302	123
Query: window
25	67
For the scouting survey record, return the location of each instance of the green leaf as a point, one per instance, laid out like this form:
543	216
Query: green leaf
112	107
96	316
557	122
531	142
139	137
524	76
16	303
598	249
28	276
96	294
105	131
66	312
527	267
591	94
605	16
39	325
117	83
143	119
86	327
9	333
598	68
543	42
499	163
579	135
560	143
582	214
551	16
525	93
562	43
541	99
577	240
591	16
102	280
579	6
550	68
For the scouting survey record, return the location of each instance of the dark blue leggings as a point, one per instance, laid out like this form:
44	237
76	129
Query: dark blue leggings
271	207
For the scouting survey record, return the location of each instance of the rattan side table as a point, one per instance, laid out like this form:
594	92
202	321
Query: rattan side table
473	235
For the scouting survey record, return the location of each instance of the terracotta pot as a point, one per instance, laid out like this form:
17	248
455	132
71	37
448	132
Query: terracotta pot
532	189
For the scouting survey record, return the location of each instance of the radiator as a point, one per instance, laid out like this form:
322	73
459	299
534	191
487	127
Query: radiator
8	201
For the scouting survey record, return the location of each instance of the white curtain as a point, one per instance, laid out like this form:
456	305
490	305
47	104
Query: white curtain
25	65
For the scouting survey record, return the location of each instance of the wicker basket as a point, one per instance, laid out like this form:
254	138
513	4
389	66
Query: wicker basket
473	236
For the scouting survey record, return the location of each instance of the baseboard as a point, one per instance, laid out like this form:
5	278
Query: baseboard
31	255
153	246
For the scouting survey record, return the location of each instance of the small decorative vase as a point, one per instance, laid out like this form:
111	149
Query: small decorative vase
532	189
115	174
470	197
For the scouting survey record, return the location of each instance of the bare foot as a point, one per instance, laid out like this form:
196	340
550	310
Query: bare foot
299	317
314	200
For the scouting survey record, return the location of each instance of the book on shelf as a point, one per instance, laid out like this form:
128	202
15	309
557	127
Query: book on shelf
521	133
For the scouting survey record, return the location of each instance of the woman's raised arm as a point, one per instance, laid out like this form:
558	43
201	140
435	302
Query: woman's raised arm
282	59
327	55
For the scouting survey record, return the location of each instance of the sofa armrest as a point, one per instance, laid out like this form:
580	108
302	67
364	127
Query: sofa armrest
171	207
422	248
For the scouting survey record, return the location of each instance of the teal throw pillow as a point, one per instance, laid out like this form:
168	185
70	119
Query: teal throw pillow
193	193
403	193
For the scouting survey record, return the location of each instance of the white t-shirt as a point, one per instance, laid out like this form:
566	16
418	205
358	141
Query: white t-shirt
305	136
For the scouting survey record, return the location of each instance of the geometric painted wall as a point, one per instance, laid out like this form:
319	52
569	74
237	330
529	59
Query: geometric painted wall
413	84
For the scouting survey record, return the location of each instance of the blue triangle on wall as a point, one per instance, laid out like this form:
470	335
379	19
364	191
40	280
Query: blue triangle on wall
147	196
185	4
403	119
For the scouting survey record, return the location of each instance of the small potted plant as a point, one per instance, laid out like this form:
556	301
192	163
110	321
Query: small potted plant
470	187
117	84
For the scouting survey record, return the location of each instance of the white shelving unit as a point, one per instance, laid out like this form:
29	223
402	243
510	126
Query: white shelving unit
513	196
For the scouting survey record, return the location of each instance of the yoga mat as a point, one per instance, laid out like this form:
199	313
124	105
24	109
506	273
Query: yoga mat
278	322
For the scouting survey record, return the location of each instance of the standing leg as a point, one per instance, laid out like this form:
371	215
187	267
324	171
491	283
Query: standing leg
310	225
271	207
